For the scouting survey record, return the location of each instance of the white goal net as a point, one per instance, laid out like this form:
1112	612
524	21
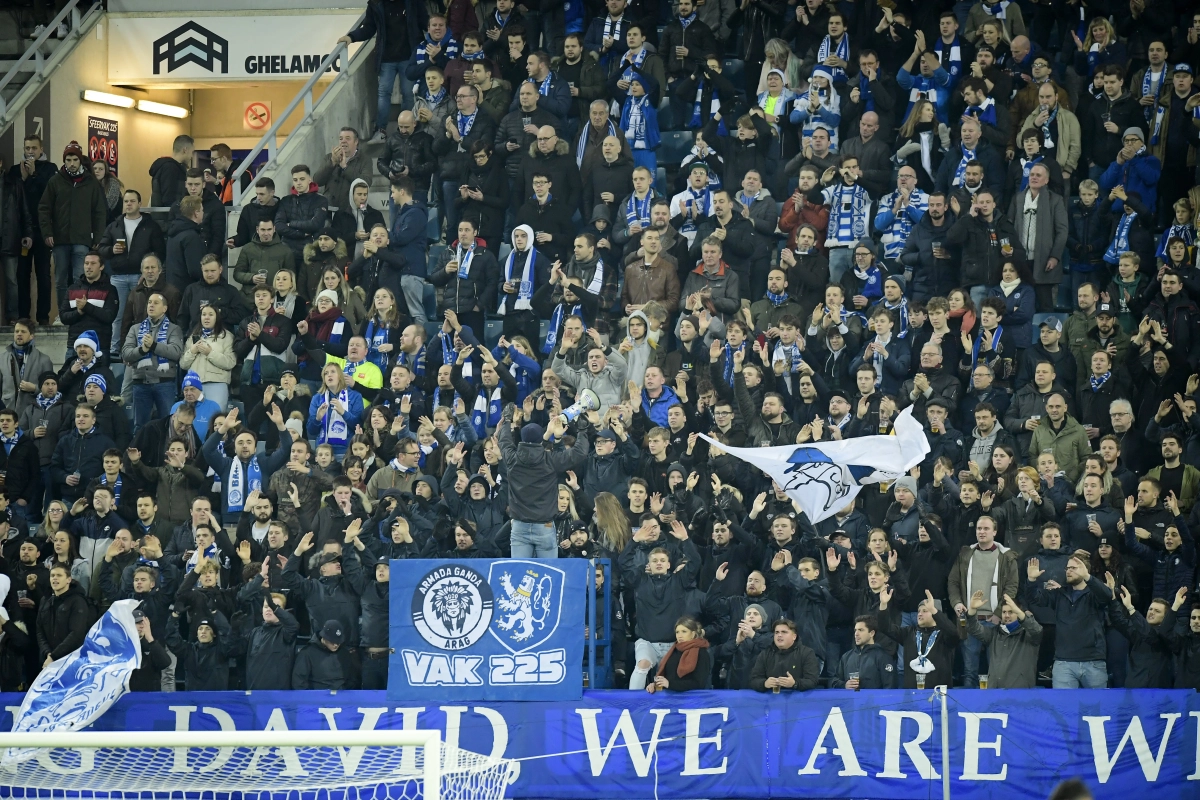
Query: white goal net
257	765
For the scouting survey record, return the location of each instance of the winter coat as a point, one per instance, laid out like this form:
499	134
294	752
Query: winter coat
270	651
146	366
1101	147
477	291
552	217
559	166
168	182
300	218
799	661
875	668
613	177
212	227
985	247
659	599
147	238
1068	145
534	474
1051	235
1087	236
930	277
73	210
213	367
1080	617
1012	657
318	667
97	314
1172	570
63	622
959	581
741	657
58	418
488	213
724	285
35	363
268	257
229	302
135	303
16	221
759	432
185	249
247	225
454	157
337	179
941	654
511	128
1140	174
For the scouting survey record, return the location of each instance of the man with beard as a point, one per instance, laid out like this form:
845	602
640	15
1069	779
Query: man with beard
597	277
726	609
649	277
1080	609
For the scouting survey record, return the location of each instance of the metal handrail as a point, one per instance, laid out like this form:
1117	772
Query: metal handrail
35	50
268	141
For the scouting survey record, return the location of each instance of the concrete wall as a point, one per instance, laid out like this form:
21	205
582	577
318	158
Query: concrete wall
218	112
207	6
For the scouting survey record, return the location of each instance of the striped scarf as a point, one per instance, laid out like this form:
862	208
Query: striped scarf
841	50
160	337
849	206
1098	382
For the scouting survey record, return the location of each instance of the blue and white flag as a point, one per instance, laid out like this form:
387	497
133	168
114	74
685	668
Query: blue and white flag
824	477
76	690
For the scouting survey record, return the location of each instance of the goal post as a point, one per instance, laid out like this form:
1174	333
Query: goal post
361	764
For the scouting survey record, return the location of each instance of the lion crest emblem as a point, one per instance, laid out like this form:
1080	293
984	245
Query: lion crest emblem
527	613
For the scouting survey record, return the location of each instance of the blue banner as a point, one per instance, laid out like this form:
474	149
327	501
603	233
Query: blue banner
487	629
835	744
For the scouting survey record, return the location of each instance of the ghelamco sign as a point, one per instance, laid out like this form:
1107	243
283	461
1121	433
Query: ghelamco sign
163	49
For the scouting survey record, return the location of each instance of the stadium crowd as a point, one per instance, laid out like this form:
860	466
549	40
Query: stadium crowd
771	223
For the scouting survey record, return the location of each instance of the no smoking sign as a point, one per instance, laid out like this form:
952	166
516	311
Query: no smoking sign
256	115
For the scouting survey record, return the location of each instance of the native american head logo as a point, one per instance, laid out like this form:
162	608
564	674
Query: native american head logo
452	607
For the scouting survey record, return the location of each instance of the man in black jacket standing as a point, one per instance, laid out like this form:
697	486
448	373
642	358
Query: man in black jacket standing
931	642
126	241
270	649
1079	609
20	468
16	235
452	147
866	665
398	27
34	172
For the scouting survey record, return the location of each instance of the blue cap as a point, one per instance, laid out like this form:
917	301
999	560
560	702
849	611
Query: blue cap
96	380
193	380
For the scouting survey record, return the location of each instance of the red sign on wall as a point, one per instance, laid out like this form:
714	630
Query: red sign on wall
102	141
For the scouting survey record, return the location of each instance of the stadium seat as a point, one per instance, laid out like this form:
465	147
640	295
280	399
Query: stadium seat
432	229
430	301
675	145
734	69
660	181
492	329
505	249
666	116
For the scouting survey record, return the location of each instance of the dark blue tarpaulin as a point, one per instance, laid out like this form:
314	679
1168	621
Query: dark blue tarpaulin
871	744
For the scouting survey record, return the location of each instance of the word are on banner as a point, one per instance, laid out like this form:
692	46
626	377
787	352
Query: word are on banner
1013	744
102	141
505	629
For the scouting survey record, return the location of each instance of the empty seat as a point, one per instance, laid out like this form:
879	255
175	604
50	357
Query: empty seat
675	145
429	298
660	181
734	69
432	228
505	249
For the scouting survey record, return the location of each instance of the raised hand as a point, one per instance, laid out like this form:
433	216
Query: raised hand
977	601
885	597
722	571
1033	570
832	559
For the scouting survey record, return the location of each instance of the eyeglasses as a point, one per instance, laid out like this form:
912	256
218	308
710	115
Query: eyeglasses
722	413
546	138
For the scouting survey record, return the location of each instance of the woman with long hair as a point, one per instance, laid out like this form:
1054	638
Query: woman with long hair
335	411
209	353
1095	464
687	665
114	190
384	328
610	524
1022	515
379	430
1016	290
779	56
918	144
328	252
287	296
1000	477
962	312
350	299
51	522
363	446
567	513
1099	49
66	552
325	330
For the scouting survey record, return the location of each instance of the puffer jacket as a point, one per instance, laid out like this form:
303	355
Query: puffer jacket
875	668
301	217
559	166
931	277
983	260
374	597
270	651
185	248
214	367
326	598
799	661
741	657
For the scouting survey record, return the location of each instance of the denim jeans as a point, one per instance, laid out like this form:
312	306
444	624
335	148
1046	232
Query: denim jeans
68	262
149	398
840	260
413	287
1080	675
972	654
533	540
124	284
646	650
217	392
388	72
374	671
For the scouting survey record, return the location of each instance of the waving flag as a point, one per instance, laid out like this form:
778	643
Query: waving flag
75	690
824	477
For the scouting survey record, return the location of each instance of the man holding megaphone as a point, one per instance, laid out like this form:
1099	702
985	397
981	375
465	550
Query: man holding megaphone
533	469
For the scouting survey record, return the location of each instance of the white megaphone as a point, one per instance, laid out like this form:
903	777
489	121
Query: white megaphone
585	401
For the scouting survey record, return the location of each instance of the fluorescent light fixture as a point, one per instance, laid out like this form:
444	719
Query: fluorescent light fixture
107	99
162	108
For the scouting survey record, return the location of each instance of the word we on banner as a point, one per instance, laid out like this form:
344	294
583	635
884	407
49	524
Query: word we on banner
487	629
870	744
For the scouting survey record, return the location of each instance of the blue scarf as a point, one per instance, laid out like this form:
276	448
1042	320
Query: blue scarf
633	66
544	86
790	355
437	400
953	58
377	335
633	121
998	11
465	123
895	236
848	209
1148	88
901	310
486	414
10	441
1098	382
1120	241
777	299
556	322
961	169
242	481
501	21
639	210
841	50
416	363
697	111
447	43
685	21
435	99
336	432
741	348
985	112
703	199
1185	232
477	56
864	91
923	652
581	145
979	342
1047	131
464	260
160	337
45	403
612	30
426	450
1026	165
116	487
